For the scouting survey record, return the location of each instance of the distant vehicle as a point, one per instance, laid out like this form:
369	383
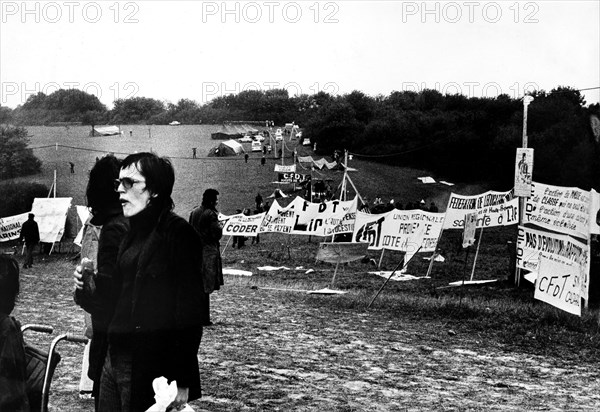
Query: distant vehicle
174	123
306	142
259	138
278	135
245	139
256	146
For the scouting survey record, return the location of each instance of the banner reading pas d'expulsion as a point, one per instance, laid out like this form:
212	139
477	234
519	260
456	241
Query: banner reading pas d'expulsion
532	244
493	209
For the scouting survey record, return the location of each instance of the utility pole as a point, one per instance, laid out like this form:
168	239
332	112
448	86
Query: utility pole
526	101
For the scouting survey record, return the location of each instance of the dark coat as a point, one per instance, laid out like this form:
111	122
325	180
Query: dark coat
166	310
101	304
206	223
13	392
30	232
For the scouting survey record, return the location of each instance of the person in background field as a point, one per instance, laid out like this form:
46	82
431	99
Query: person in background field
102	234
433	208
206	222
13	390
72	167
258	201
246	157
156	327
194	151
263	160
30	234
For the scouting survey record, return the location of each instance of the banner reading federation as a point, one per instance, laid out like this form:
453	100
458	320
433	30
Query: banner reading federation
493	209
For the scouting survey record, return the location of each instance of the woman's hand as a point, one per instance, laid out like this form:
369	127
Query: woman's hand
78	277
180	400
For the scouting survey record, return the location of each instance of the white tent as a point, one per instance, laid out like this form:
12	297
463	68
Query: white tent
105	131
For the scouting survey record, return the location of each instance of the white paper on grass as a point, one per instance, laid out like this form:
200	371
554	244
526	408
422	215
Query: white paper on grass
472	282
398	276
326	291
236	272
272	268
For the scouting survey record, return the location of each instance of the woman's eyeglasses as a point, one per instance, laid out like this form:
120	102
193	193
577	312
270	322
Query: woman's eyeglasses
127	183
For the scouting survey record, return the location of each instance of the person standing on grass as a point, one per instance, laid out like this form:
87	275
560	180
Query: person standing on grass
102	235
206	222
156	327
30	234
258	201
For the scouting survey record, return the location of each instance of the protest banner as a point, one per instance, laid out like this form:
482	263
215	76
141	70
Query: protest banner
83	213
292	178
51	215
532	244
493	209
285	168
278	219
10	227
523	172
400	230
469	230
559	284
323	219
562	209
242	225
594	212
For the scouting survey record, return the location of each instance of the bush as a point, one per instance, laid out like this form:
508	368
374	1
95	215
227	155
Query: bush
17	198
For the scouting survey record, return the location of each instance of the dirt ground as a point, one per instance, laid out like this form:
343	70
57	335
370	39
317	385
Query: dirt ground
275	350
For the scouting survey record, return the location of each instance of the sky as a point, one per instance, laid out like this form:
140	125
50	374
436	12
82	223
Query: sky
199	50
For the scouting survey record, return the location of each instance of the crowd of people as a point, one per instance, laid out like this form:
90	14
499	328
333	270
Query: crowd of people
144	282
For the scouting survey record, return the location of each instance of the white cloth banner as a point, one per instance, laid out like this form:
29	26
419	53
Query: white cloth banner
10	227
323	219
532	244
83	212
562	209
51	215
400	230
594	212
278	219
559	284
493	209
242	225
285	168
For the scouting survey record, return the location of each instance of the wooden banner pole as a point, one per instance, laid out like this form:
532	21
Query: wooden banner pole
392	274
476	253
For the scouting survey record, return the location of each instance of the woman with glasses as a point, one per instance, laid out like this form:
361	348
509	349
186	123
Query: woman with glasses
156	327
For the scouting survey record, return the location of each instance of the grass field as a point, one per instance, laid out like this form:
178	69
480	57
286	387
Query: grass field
421	346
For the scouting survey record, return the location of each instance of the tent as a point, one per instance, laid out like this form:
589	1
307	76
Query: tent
227	148
233	131
277	193
105	131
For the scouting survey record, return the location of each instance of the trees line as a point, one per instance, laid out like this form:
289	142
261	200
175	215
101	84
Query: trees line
457	137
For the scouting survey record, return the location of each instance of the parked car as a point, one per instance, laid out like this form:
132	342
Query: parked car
256	146
246	139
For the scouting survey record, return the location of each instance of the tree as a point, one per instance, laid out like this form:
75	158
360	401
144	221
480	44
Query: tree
15	158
